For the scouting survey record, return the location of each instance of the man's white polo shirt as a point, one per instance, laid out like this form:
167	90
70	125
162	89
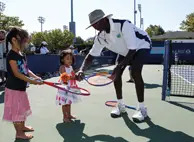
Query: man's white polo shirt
122	37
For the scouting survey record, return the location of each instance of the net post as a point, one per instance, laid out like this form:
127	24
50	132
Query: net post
165	69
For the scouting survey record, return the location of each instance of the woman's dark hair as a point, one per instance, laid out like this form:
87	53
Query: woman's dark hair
16	32
65	53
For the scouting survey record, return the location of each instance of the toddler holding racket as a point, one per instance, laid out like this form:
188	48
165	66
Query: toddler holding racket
16	106
67	78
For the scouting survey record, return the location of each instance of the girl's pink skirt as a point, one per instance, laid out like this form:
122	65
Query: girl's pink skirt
16	106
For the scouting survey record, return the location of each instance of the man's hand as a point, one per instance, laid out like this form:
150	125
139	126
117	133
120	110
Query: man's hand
117	70
80	75
128	58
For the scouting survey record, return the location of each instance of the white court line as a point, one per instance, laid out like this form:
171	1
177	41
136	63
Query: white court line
183	78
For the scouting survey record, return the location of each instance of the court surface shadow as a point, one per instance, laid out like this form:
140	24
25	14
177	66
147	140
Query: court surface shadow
151	86
73	132
157	133
2	88
185	105
20	140
2	97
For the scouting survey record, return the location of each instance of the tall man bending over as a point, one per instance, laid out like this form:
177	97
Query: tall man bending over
133	44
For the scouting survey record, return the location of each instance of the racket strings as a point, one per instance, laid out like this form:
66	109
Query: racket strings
99	79
73	90
78	90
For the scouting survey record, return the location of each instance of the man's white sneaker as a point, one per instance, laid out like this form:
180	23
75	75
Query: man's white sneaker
140	115
116	112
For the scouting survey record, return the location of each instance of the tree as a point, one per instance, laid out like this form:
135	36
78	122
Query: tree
79	40
56	39
154	30
7	21
90	40
38	37
188	24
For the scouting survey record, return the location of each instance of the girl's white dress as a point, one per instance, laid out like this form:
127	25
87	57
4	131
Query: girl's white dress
63	97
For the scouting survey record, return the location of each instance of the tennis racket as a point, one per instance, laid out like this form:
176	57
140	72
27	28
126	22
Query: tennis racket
74	90
100	78
114	104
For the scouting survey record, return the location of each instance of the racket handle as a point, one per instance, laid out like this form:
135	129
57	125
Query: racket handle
39	80
130	107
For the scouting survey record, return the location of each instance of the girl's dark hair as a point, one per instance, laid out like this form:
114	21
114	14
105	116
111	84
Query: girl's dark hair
15	32
65	53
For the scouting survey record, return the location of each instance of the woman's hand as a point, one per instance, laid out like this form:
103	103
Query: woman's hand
36	82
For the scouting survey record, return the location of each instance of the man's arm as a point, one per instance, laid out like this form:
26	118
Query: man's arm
124	62
130	39
86	63
94	52
127	58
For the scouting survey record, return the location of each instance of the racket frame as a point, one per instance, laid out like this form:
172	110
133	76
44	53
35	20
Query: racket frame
55	85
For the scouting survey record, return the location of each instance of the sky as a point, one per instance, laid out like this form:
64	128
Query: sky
166	13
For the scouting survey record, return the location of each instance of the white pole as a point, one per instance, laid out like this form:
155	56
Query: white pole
135	12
